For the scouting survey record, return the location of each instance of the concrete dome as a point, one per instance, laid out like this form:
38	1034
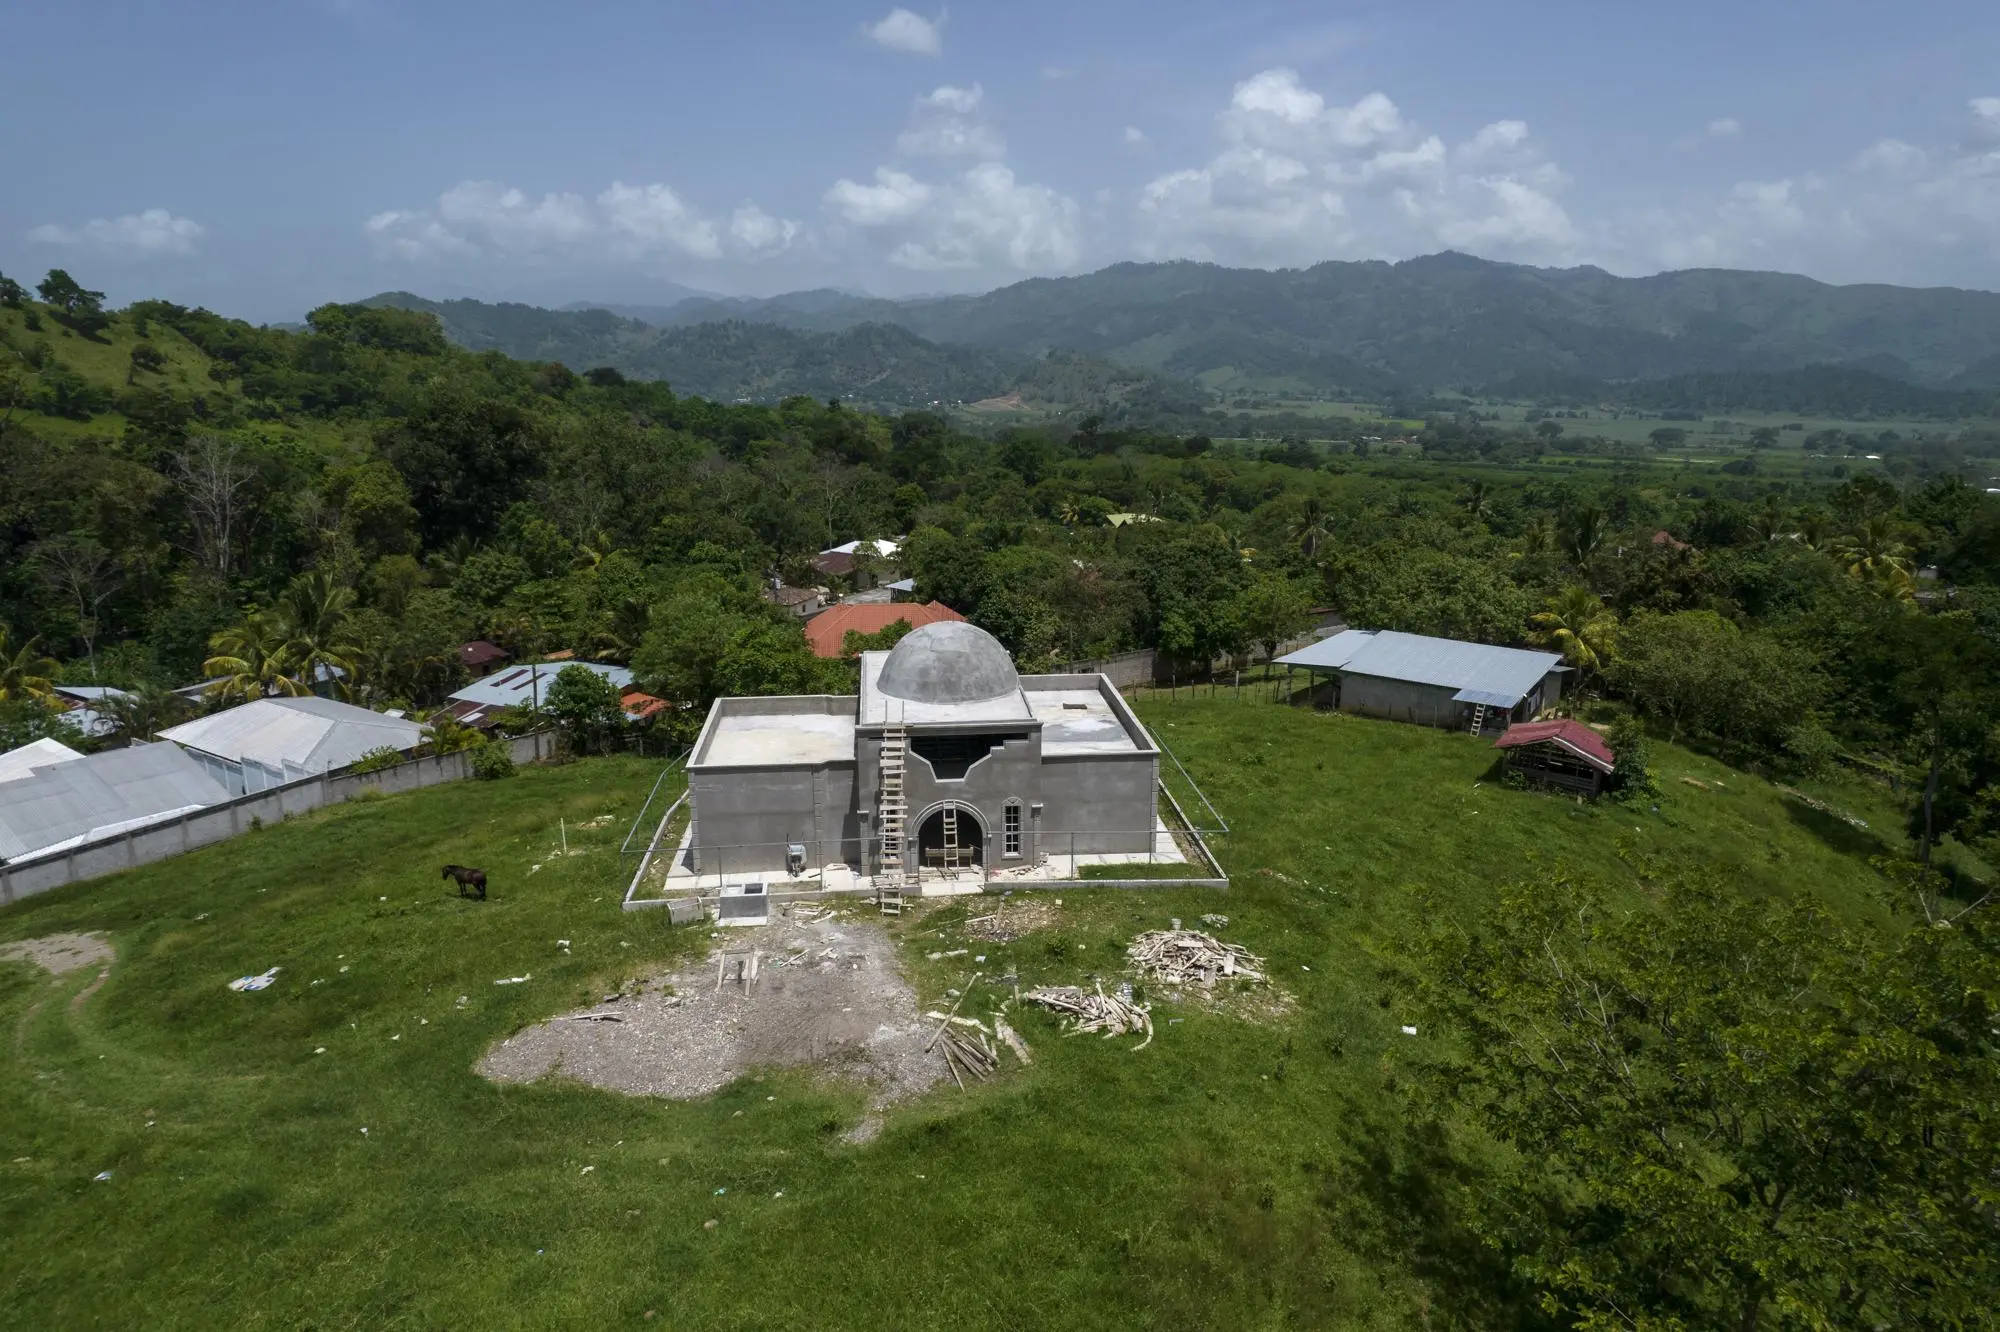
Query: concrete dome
948	662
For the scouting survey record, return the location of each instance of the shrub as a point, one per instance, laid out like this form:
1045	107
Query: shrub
1631	776
492	761
1811	750
375	760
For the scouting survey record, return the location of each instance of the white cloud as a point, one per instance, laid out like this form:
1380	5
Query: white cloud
655	219
946	123
1299	180
902	30
155	231
1724	127
486	220
759	233
982	219
1897	212
1135	137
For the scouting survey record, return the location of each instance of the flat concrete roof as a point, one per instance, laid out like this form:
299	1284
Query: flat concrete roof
1079	721
790	739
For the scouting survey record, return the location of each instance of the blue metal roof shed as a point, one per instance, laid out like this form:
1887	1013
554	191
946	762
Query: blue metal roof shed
1496	676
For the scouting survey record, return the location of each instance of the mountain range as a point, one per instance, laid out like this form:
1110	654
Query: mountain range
1441	322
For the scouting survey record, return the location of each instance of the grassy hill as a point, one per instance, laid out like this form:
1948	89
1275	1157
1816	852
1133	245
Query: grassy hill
1226	1176
733	360
1440	321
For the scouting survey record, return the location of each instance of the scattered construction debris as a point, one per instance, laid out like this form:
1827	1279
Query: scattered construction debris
261	981
965	1053
1184	957
1017	916
1215	922
1012	1040
1099	1012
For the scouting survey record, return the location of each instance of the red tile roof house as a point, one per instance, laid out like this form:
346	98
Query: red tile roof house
828	630
1563	755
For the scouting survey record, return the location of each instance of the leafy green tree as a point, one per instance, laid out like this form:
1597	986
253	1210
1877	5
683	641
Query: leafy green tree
1275	608
585	706
68	295
12	293
1698	672
1942	701
1668	437
1724	1111
1425	591
145	357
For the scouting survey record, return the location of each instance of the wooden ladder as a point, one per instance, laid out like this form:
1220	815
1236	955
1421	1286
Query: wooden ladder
953	853
892	871
1479	719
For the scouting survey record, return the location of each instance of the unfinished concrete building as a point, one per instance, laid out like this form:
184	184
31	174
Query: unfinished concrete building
948	768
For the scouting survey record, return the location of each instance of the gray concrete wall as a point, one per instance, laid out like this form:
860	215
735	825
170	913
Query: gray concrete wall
1096	803
1400	700
744	818
232	818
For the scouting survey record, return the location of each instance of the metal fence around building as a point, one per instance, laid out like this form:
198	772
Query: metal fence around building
33	874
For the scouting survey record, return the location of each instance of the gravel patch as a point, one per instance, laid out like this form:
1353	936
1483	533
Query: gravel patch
828	994
59	953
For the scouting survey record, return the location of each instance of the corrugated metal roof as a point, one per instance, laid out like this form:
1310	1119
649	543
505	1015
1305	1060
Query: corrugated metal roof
1497	676
35	754
310	734
100	794
517	686
1579	739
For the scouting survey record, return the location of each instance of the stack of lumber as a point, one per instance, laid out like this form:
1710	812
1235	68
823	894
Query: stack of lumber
1183	957
967	1053
1101	1012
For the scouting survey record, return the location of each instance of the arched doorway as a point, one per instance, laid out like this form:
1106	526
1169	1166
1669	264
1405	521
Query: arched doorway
951	837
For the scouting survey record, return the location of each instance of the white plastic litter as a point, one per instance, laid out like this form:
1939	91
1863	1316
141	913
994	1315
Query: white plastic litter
258	982
103	1175
1409	1031
514	980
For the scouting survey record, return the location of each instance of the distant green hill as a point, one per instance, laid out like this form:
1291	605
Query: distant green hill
1441	321
879	365
1841	391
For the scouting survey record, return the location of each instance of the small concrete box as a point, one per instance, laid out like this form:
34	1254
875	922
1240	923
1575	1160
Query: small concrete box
684	910
743	904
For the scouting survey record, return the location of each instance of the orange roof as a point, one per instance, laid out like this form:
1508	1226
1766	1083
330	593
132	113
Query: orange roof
640	705
827	630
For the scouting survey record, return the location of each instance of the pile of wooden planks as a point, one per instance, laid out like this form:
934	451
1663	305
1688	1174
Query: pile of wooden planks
1185	957
967	1053
1099	1012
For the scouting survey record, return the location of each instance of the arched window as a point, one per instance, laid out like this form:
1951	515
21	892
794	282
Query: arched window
1010	829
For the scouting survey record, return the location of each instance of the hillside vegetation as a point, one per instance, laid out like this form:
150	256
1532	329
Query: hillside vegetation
1242	1170
1441	321
873	364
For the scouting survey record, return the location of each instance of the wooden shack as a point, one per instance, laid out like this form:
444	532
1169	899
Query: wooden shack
1558	755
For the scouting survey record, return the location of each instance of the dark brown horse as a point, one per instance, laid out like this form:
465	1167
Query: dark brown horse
467	878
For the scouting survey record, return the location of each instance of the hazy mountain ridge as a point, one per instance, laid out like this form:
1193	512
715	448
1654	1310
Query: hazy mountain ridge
730	360
1442	321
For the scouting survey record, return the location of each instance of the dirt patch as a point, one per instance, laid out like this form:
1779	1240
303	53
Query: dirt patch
828	993
60	953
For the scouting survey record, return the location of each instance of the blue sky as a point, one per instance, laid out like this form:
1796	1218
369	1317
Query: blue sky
261	157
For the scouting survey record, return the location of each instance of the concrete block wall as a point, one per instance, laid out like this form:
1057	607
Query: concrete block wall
232	818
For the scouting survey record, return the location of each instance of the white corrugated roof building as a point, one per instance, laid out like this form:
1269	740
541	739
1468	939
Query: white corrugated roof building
35	754
68	802
522	687
276	740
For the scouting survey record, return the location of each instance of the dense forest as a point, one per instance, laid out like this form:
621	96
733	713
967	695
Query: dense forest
360	493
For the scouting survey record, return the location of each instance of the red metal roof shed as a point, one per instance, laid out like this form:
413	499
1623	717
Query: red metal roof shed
1574	736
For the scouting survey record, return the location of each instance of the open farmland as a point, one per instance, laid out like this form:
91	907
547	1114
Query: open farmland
1234	1173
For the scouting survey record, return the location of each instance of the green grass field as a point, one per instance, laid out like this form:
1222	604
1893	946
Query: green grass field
1235	1174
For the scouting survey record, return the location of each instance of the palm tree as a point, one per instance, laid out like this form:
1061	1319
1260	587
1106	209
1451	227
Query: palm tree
1773	522
591	554
1069	513
1577	622
1583	537
1477	501
1813	527
448	735
1312	526
1539	536
630	620
319	643
144	712
250	661
1873	550
24	672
